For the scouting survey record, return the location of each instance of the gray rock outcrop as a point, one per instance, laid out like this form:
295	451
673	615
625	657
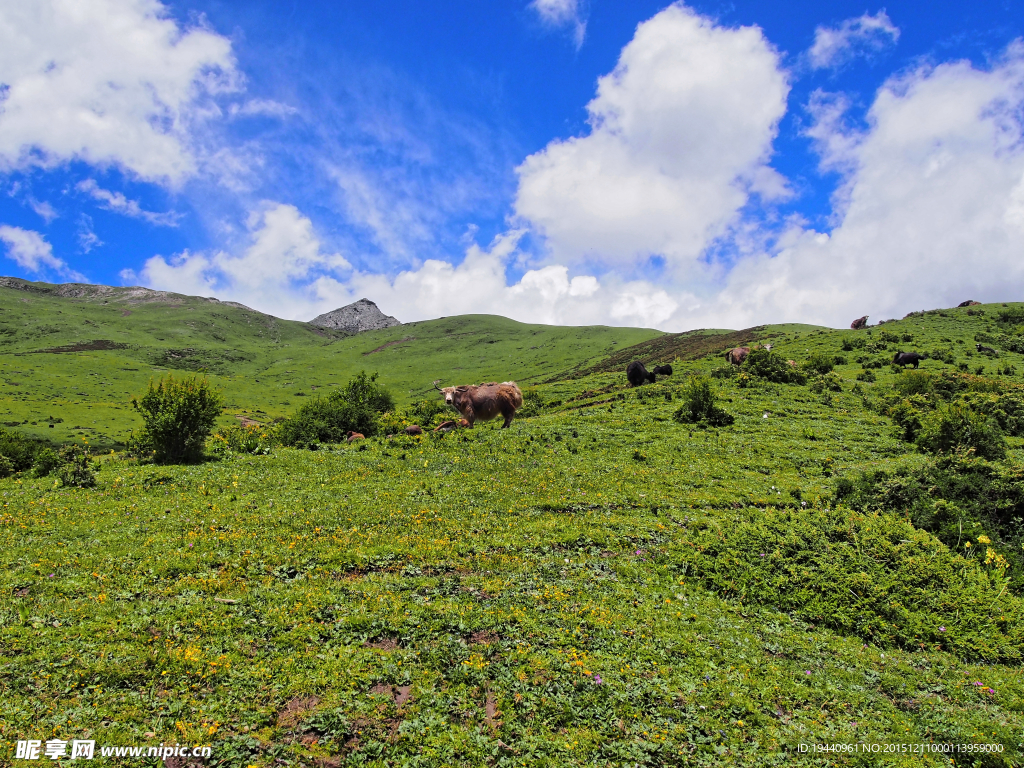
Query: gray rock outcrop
362	315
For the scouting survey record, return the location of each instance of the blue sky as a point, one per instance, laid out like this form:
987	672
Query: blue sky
676	166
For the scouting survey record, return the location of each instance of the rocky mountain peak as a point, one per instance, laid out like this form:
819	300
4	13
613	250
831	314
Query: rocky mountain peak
362	315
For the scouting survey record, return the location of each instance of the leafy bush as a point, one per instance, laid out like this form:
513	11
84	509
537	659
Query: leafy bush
830	382
866	375
358	407
699	406
178	416
1011	316
873	575
819	363
46	461
725	372
75	468
850	343
914	383
959	426
430	413
6	466
533	403
957	496
772	366
944	354
249	438
19	449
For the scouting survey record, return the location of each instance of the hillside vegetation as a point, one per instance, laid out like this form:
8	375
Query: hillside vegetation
614	580
72	356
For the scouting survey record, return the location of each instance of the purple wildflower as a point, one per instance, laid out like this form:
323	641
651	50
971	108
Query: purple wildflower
597	679
807	671
942	629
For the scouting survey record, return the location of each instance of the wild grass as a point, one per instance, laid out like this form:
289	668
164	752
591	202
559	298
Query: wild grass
586	587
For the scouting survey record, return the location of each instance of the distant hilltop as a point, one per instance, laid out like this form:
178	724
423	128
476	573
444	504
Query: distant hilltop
133	294
362	315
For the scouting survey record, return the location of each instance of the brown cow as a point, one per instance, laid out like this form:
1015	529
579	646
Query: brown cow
968	303
738	355
353	436
413	429
484	401
859	323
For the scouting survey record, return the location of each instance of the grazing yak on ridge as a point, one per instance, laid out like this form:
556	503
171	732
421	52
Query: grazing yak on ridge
985	350
907	358
638	374
662	370
481	402
860	322
737	355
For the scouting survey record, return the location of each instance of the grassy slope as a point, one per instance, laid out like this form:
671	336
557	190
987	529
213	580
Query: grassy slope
447	601
263	364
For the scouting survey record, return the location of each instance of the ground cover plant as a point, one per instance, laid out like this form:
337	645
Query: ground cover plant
599	584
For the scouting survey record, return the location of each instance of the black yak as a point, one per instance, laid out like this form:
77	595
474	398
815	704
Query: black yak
907	358
638	374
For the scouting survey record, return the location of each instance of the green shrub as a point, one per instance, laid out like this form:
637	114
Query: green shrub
533	403
872	575
956	496
959	426
699	404
866	375
829	382
1011	316
850	343
725	372
19	449
430	413
356	407
254	439
178	416
6	466
819	363
46	461
75	468
772	366
914	383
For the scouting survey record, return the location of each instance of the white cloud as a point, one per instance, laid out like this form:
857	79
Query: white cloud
284	271
861	36
106	82
46	211
282	256
87	237
680	137
30	251
563	13
118	203
934	210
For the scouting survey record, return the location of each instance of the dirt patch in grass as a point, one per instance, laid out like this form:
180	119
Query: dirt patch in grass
382	644
691	345
382	347
483	637
98	345
293	711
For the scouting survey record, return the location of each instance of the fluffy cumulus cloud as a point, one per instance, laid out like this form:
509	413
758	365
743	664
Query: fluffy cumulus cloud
933	206
284	269
563	13
680	137
107	82
633	217
30	251
862	36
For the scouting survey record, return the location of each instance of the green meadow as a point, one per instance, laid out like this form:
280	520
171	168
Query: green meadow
601	584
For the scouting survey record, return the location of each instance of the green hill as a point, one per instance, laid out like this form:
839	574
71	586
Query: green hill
603	583
79	353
